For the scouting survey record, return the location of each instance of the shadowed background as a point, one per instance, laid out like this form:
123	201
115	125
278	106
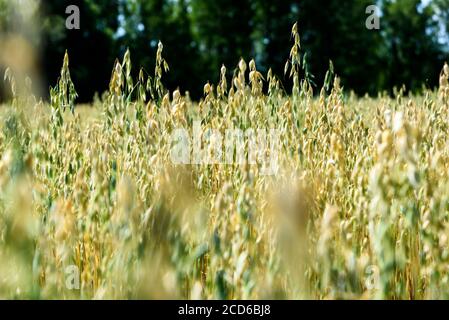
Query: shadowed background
201	35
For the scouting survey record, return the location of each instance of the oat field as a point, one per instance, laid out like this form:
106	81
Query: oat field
93	207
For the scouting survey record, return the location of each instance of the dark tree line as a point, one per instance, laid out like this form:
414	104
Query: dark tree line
201	35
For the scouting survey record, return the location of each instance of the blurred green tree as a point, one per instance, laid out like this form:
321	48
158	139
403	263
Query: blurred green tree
335	30
201	35
441	9
149	21
272	29
414	56
223	30
92	49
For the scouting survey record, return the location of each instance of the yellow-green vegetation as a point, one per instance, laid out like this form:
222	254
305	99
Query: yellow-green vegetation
358	209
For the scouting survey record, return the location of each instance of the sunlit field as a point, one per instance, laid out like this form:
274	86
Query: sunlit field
92	204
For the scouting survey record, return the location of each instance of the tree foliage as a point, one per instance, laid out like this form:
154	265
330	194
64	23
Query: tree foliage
201	35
